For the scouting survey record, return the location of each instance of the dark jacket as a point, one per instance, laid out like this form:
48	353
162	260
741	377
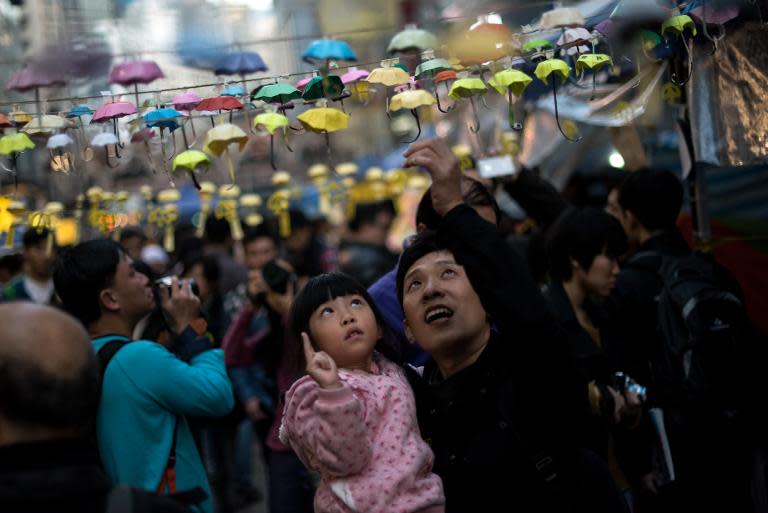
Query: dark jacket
518	406
62	476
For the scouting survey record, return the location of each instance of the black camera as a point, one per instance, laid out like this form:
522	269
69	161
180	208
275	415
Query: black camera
167	280
276	277
623	383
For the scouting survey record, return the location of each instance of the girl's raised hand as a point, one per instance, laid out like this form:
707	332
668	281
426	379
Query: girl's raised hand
320	365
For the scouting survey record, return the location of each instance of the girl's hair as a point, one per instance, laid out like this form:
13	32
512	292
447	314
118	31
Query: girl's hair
327	287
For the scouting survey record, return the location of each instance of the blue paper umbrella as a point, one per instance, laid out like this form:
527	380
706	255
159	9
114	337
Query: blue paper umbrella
162	119
234	90
328	49
240	63
79	110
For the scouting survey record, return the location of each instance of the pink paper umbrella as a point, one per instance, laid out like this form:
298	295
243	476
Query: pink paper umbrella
110	111
187	102
134	73
301	84
353	75
34	76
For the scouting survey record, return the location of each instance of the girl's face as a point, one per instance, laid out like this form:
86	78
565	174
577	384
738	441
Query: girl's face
600	278
346	329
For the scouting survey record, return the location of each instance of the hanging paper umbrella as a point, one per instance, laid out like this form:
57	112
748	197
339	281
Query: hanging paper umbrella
486	40
324	120
562	17
18	117
412	39
240	63
593	62
234	90
511	82
165	119
444	77
61	159
218	139
328	50
144	135
271	122
105	140
135	73
4	122
111	111
355	79
429	70
576	40
469	88
186	101
301	84
412	99
684	28
220	103
278	93
45	125
329	86
555	68
537	48
190	161
34	76
78	111
389	75
12	145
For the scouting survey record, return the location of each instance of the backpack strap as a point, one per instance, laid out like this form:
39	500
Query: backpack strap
169	474
106	353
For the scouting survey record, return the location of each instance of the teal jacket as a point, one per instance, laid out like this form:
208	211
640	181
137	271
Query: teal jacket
146	390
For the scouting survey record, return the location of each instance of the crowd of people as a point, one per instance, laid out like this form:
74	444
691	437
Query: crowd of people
595	364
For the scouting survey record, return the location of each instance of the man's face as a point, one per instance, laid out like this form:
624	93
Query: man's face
39	262
443	312
612	204
131	291
258	252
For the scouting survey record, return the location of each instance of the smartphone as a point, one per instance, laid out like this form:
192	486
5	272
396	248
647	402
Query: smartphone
497	166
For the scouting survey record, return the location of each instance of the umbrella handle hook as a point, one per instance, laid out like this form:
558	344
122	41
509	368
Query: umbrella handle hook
557	115
109	161
415	115
272	152
474	129
439	106
285	141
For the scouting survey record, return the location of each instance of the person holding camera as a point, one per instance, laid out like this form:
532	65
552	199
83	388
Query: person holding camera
583	249
147	389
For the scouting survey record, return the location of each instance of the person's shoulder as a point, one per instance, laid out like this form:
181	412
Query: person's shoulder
142	353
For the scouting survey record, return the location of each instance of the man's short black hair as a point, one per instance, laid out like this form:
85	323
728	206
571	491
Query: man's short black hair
654	196
298	219
217	230
425	243
130	232
262	231
367	213
33	236
581	234
474	193
82	272
33	397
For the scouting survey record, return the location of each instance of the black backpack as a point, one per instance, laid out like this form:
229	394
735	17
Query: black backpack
702	322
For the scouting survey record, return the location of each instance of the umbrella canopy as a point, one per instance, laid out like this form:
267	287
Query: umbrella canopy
15	143
678	25
432	67
537	45
388	76
163	118
18	117
593	62
328	49
143	135
562	17
33	76
353	75
186	101
271	121
234	90
4	121
79	110
281	93
445	76
59	141
135	72
412	39
190	160
324	119
301	84
546	68
104	139
220	103
482	43
45	124
331	87
467	87
510	80
579	36
218	138
411	99
111	110
240	63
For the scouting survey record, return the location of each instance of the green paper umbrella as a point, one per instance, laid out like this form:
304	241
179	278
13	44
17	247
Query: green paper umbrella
511	82
469	88
412	39
272	122
593	62
189	161
558	68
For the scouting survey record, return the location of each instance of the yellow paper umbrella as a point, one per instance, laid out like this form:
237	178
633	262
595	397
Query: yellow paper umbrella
412	99
19	117
279	202
45	125
207	192
166	215
390	74
190	161
227	209
18	213
469	88
252	202
593	62
218	139
558	68
681	26
511	82
272	122
324	120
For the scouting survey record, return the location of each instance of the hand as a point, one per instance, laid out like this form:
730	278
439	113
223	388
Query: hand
649	485
633	404
256	284
254	411
320	366
180	304
619	405
438	159
281	303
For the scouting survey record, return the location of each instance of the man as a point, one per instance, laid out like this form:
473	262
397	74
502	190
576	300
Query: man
147	390
219	243
133	240
501	407
363	254
49	383
35	283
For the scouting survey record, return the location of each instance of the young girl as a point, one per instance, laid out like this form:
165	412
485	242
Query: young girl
353	417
